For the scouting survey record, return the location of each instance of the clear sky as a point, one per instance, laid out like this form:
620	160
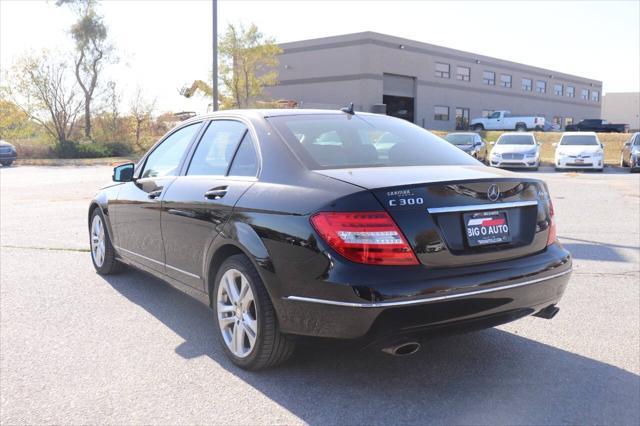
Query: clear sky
164	45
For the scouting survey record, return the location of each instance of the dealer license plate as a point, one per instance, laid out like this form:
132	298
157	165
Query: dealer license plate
487	228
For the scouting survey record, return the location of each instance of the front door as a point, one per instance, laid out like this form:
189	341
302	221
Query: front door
196	206
136	212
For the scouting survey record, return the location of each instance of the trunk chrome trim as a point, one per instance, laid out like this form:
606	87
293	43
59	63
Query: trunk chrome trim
426	299
479	207
158	262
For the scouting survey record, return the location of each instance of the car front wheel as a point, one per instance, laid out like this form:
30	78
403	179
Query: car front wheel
246	320
103	254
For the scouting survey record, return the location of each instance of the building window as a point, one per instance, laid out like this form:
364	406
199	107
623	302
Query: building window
505	81
462	118
568	121
489	77
541	86
571	91
585	95
558	89
486	113
527	85
463	74
595	95
442	70
441	113
557	120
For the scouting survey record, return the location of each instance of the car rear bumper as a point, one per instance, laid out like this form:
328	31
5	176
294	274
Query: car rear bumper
8	157
503	292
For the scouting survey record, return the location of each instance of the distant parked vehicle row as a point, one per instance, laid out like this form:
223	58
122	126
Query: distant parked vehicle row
597	125
504	120
576	150
630	155
7	153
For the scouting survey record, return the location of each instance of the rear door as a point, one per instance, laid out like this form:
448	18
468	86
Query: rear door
136	212
196	206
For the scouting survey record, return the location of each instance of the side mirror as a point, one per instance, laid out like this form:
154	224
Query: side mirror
123	172
601	145
627	144
555	144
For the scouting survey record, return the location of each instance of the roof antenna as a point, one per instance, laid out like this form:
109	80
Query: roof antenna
348	109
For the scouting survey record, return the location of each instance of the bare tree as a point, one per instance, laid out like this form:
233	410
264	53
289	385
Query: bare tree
41	85
141	109
92	50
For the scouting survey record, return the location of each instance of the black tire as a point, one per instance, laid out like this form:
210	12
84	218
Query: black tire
110	265
271	347
521	128
7	163
477	127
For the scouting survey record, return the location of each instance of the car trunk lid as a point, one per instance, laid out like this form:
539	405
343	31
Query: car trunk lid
433	207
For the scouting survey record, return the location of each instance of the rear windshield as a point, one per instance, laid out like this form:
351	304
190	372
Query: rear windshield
516	140
341	141
579	140
460	139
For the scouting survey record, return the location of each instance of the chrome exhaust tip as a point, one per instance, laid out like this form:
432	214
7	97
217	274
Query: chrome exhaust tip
403	349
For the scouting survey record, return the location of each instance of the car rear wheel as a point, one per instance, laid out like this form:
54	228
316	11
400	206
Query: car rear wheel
7	163
521	128
103	254
247	324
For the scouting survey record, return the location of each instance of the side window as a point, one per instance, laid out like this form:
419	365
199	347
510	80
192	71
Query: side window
245	163
165	159
637	142
216	148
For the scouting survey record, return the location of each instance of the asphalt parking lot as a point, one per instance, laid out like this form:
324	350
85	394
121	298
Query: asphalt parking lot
79	348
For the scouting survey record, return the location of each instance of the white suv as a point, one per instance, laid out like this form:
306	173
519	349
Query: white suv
579	150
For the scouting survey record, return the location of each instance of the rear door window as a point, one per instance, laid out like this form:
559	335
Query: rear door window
217	148
245	162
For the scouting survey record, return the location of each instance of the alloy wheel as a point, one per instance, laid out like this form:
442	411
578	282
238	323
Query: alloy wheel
97	241
237	316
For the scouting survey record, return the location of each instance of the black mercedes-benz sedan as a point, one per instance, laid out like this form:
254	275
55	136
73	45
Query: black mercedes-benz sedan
352	226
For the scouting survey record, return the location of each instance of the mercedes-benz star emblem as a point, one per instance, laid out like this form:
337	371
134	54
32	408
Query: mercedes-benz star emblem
493	193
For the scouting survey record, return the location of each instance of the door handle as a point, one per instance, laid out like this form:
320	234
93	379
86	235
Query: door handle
216	193
155	194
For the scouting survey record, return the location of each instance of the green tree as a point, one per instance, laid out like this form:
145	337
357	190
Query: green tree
248	62
93	50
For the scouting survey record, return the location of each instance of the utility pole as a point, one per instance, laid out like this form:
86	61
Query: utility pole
214	84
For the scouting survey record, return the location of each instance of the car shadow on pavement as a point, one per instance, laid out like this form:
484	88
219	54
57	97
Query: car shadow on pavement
486	377
595	250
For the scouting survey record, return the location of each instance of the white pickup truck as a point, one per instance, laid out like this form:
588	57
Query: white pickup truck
504	120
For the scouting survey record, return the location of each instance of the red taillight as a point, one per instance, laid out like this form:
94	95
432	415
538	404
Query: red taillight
364	237
553	236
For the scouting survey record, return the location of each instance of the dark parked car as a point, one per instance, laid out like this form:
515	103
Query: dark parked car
471	143
597	125
291	223
7	153
630	155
